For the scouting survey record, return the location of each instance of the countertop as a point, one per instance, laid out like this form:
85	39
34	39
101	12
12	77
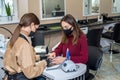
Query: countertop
54	29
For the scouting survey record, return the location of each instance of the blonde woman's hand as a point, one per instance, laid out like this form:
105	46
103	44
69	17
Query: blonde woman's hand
45	63
42	62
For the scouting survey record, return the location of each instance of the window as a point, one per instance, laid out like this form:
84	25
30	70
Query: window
52	9
115	6
91	7
13	7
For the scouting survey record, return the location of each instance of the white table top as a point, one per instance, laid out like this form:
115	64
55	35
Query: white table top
59	74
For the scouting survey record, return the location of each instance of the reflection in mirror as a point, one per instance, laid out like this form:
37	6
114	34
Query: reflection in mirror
115	6
51	9
91	7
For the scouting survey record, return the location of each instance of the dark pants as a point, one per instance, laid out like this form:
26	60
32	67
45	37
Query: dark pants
21	76
41	78
17	76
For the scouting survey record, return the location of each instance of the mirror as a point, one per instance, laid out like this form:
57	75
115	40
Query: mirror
91	7
8	13
115	6
3	8
52	9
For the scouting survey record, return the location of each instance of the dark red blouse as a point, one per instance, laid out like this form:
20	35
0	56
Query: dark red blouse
78	52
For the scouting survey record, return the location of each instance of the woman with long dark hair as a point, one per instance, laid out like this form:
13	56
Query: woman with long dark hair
74	40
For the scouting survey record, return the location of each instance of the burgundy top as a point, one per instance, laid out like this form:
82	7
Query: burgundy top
78	52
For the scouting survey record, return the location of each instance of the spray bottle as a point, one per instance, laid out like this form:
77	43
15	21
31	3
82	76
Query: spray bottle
68	54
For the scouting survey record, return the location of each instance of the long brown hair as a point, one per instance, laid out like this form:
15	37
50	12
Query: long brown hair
76	29
25	21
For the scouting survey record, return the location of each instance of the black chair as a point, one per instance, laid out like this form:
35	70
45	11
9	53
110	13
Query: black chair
94	36
95	59
95	53
114	36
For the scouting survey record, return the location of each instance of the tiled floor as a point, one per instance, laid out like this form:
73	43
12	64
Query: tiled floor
109	70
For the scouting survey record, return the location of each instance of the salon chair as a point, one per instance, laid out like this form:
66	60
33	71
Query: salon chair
95	55
95	58
114	36
94	51
94	36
